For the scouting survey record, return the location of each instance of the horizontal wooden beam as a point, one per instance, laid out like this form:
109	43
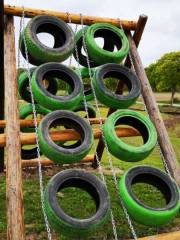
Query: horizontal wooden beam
68	135
163	236
47	162
30	123
75	18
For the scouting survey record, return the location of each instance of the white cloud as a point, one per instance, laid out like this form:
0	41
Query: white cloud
162	32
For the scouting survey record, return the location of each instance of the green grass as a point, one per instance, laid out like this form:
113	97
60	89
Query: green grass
78	203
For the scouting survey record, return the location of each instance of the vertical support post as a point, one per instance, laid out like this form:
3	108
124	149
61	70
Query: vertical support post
153	110
14	197
137	37
1	77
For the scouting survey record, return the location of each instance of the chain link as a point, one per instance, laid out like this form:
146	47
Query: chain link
103	136
36	134
94	145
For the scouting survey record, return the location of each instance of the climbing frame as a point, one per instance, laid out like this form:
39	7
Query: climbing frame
15	218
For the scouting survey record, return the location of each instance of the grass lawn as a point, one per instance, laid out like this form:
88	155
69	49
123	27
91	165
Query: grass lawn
72	200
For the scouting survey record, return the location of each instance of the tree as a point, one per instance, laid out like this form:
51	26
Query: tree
164	75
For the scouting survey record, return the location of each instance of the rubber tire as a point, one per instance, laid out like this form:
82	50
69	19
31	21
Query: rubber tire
109	98
65	224
140	212
53	102
56	153
27	110
23	83
91	113
82	59
122	150
100	55
20	71
40	53
90	108
85	74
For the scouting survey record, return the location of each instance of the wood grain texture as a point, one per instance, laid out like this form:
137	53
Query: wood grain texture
68	135
163	236
14	197
30	123
75	18
1	77
154	113
47	162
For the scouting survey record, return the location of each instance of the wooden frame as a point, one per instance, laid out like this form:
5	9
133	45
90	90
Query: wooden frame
13	168
14	199
2	77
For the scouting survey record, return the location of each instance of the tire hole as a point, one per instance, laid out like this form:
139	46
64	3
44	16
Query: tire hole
149	195
63	127
71	199
111	83
46	39
135	141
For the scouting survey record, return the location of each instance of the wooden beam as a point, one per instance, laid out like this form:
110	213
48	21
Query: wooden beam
68	135
1	77
47	162
14	197
137	35
153	110
30	123
119	90
75	18
163	236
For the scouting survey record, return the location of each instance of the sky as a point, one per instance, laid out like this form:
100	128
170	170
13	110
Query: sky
162	32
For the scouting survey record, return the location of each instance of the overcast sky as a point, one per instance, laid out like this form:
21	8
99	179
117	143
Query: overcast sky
162	33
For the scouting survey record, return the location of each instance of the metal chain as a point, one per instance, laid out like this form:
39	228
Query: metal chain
20	30
36	134
69	21
145	109
103	137
94	145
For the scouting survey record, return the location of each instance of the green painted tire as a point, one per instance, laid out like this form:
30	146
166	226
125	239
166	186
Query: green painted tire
80	57
122	150
71	226
100	55
20	71
38	52
90	108
137	209
23	85
53	102
107	96
27	110
58	153
87	87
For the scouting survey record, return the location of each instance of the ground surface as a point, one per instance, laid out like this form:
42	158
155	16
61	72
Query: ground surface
71	200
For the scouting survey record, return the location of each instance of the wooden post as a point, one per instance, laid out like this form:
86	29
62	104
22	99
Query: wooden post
15	218
154	113
1	77
75	18
137	37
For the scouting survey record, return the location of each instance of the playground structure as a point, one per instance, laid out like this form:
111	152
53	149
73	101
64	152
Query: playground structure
14	164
